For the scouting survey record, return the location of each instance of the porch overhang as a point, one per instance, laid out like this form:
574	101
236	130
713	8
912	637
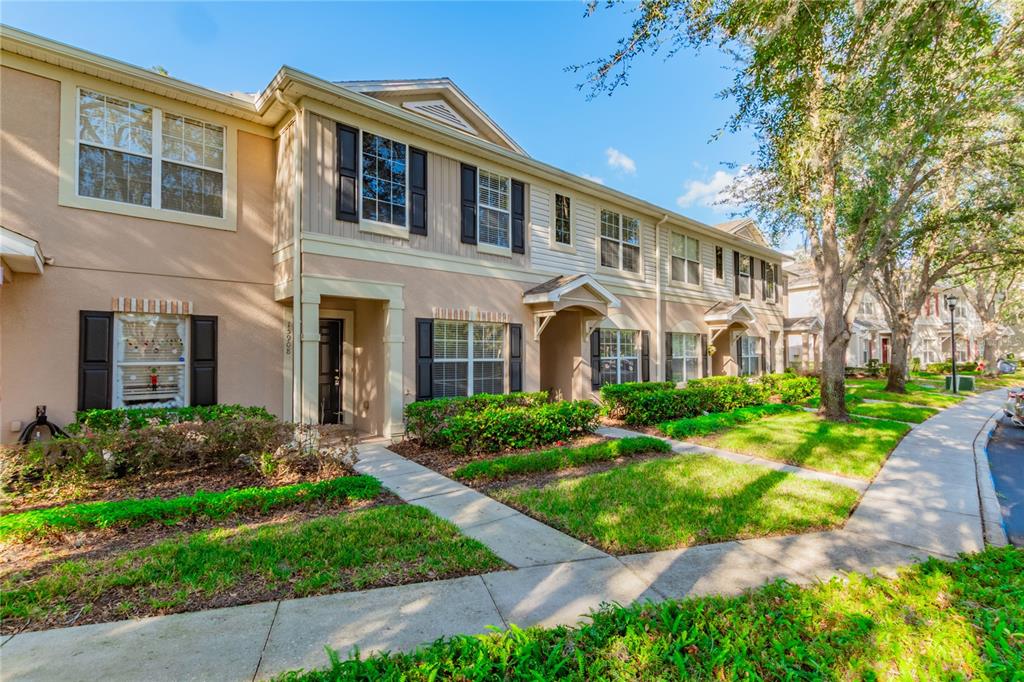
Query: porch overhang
810	324
579	292
720	317
19	253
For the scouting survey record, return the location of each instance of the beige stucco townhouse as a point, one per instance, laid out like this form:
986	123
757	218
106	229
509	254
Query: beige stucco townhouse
332	251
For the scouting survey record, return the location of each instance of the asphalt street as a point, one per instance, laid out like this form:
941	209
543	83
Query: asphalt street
1006	459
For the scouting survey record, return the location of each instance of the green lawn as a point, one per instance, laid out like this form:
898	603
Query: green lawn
202	504
917	394
554	459
857	448
384	545
680	501
896	411
936	621
716	421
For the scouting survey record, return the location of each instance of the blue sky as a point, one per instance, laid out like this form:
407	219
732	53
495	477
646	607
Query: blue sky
651	139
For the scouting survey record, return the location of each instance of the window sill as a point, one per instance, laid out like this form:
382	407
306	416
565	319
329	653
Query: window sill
505	251
383	229
559	246
615	272
680	284
148	212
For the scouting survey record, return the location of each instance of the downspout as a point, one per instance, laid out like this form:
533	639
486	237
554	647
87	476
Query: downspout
297	405
658	342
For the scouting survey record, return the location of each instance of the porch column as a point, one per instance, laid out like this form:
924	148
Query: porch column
817	352
394	343
804	350
309	346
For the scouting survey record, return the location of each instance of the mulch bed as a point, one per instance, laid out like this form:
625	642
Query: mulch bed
445	461
620	424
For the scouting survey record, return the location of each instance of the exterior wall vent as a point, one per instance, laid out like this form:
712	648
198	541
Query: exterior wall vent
440	111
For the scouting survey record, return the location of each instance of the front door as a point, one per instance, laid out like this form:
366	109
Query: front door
885	351
331	334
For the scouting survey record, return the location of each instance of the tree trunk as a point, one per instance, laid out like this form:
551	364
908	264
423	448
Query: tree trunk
990	357
836	338
898	358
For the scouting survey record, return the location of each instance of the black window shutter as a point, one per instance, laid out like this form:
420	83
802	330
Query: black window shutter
348	173
705	360
736	271
424	358
518	217
417	191
739	355
204	360
764	282
468	204
668	356
515	358
595	359
95	359
645	356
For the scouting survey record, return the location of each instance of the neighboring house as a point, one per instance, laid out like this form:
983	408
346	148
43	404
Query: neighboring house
872	337
333	251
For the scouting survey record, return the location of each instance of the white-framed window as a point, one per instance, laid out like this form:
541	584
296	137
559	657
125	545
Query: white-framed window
685	259
620	356
620	241
494	213
750	359
133	153
719	263
746	268
771	282
563	220
384	179
685	357
150	360
468	358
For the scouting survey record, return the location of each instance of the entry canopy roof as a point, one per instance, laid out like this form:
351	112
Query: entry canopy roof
566	291
20	253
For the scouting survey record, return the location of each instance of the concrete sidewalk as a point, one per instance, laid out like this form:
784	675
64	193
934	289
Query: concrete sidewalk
923	502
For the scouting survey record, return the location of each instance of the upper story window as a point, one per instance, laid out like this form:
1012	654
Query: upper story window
719	263
563	219
685	259
771	282
867	305
384	177
744	274
118	160
620	241
494	214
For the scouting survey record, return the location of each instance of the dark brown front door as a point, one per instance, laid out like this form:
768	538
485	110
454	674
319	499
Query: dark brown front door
331	334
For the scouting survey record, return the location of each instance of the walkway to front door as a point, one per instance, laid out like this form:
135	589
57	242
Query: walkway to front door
330	407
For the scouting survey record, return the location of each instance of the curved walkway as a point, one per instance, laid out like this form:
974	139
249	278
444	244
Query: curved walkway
923	502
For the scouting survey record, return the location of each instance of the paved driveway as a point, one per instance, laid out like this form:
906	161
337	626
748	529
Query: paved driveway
1006	459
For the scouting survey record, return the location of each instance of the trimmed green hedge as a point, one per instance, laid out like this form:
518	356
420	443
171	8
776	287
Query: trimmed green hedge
616	396
709	423
645	406
75	517
559	458
498	427
137	418
427	419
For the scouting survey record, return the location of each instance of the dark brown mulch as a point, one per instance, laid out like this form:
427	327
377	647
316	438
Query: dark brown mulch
619	424
445	461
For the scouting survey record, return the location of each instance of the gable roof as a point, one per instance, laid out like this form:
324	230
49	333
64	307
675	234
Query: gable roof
438	99
744	228
557	287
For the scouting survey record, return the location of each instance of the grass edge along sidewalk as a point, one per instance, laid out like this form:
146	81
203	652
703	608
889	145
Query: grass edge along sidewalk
935	620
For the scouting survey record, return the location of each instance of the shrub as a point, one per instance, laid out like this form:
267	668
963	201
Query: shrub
137	418
126	451
795	389
217	505
559	458
915	365
614	396
721	394
709	423
427	419
499	427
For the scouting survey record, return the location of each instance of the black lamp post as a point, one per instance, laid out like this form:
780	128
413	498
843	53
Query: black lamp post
951	304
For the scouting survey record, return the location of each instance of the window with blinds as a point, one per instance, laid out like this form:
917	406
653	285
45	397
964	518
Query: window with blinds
151	356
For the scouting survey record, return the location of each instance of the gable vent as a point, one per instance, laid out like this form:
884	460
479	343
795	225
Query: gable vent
440	111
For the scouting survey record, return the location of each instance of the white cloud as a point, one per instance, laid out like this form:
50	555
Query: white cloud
620	161
592	178
715	193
